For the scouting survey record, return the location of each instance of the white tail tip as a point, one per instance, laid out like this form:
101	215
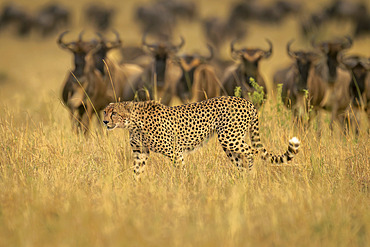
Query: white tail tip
294	140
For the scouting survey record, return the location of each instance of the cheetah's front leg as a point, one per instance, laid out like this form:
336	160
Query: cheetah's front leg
178	160
141	154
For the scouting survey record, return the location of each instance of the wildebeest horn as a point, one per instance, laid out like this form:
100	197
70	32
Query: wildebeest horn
366	63
178	47
323	46
116	43
63	44
232	49
145	43
290	53
210	53
101	37
350	62
268	53
341	58
347	43
112	44
80	36
234	53
313	43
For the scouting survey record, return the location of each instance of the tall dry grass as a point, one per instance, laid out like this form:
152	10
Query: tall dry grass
60	189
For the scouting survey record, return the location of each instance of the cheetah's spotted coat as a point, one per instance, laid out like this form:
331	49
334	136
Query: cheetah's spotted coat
175	130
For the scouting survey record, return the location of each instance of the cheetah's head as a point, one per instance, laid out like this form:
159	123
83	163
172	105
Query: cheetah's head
117	115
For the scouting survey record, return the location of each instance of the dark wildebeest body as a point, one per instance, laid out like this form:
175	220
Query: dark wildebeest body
359	88
73	92
160	75
14	15
329	83
99	16
247	67
295	79
106	81
198	79
160	18
52	18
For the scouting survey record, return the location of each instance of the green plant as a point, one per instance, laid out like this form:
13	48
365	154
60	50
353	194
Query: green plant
279	100
308	107
238	92
257	97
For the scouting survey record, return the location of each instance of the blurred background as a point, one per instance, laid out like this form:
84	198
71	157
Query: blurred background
61	188
33	67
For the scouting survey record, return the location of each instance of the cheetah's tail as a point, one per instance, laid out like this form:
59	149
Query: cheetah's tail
293	149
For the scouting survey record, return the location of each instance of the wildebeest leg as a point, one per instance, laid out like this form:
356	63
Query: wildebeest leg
86	118
351	119
317	115
334	114
368	117
76	119
166	97
348	122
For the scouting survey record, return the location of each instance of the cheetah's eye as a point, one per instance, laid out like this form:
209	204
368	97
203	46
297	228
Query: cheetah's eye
105	113
114	113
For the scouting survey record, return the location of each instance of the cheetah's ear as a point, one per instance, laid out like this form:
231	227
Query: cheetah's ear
129	105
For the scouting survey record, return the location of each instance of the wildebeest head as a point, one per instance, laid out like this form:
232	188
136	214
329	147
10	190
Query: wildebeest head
250	57
101	50
331	49
189	62
100	16
52	17
79	49
161	52
303	61
15	15
359	67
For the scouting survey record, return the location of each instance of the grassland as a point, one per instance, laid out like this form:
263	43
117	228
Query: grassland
60	189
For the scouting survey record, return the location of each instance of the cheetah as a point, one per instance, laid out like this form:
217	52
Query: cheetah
171	131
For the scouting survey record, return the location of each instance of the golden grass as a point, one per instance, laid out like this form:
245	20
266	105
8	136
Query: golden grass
59	189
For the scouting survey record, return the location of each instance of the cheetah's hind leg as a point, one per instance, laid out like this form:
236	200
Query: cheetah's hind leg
238	159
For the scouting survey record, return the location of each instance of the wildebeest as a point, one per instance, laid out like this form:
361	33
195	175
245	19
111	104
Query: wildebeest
52	18
47	20
159	77
198	80
180	8
218	31
73	94
13	15
359	88
107	81
99	16
246	67
331	49
135	54
352	11
329	83
295	79
160	18
272	13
